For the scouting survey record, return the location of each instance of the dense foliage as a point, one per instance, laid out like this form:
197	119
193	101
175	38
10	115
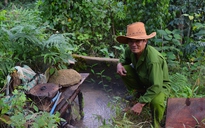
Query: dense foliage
25	40
96	23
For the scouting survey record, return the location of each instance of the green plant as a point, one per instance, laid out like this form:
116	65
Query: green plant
188	18
26	39
181	87
14	16
106	53
16	106
122	119
45	120
154	18
168	44
185	14
87	20
29	46
101	76
103	79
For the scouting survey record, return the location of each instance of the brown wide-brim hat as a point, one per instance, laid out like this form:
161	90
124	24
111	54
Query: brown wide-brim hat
135	31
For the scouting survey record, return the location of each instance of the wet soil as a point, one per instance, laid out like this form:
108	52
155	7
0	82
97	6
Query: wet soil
99	89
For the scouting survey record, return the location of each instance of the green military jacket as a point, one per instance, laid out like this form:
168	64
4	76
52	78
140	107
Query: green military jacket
152	71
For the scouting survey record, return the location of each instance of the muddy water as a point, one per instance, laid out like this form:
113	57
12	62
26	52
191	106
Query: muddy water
97	96
96	100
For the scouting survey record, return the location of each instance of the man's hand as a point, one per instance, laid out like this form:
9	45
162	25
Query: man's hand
137	108
121	70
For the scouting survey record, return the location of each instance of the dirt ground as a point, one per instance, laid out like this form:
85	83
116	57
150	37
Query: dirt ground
99	89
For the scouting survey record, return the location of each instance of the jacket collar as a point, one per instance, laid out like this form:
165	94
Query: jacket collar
142	57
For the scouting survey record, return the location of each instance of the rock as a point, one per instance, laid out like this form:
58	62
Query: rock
65	77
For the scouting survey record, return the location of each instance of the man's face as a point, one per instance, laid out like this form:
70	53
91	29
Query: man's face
137	46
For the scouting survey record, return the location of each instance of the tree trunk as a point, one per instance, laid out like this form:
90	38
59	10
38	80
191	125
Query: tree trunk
5	2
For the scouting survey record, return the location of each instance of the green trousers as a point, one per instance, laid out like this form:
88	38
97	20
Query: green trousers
157	105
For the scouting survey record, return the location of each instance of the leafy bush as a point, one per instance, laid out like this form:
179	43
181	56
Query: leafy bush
25	40
168	44
96	23
16	106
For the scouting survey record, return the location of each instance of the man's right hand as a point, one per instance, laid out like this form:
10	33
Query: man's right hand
137	108
121	70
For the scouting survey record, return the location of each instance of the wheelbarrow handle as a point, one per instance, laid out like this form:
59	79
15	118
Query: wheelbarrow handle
56	96
56	102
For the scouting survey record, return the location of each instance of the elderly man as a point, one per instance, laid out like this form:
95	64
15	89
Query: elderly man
144	70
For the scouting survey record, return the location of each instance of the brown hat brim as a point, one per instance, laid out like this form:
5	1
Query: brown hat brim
123	39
